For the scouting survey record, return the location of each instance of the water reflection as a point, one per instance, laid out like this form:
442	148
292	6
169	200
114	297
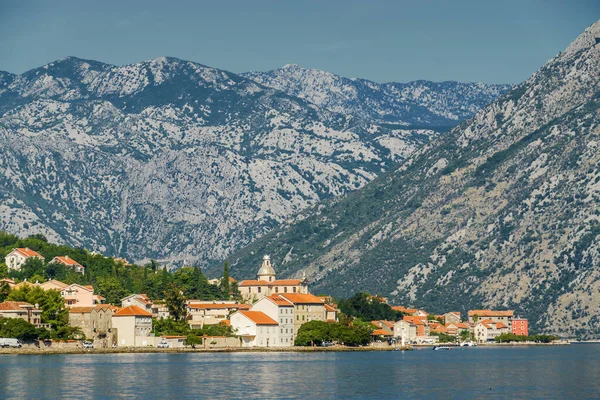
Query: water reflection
534	372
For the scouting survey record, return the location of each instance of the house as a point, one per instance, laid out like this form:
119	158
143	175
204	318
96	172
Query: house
217	281
53	284
380	334
255	328
404	310
266	284
139	300
520	326
95	323
76	295
386	326
457	327
307	307
281	310
488	330
421	325
22	310
7	281
160	309
497	316
405	329
16	258
200	313
68	262
331	313
134	327
452	317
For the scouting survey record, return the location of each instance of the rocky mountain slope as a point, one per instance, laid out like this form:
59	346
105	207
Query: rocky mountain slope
418	103
172	159
504	211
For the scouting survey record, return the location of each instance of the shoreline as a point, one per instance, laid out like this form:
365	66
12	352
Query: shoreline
154	350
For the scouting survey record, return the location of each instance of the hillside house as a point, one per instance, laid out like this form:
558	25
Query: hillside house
16	258
22	310
69	263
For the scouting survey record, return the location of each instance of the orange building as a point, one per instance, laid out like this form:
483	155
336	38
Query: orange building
520	327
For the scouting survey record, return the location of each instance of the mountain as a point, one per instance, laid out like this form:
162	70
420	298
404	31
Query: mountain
418	103
503	211
172	159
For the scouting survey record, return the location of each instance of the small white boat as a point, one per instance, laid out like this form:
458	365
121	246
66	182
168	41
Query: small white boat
441	348
468	344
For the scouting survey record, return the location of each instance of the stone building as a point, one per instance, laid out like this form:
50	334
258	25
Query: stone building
95	323
307	307
267	284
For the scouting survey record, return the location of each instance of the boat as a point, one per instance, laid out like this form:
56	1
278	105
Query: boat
468	344
441	348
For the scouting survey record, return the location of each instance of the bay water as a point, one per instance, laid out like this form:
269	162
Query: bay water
535	372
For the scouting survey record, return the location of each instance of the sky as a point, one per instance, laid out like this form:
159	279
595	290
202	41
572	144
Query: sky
397	40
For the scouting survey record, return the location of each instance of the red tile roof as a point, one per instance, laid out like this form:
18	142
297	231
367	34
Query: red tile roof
27	252
278	282
380	332
66	260
259	317
85	310
302	298
132	311
330	308
280	301
212	306
491	313
15	306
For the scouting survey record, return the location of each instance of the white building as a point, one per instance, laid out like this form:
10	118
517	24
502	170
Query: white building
255	328
488	330
134	327
16	258
281	310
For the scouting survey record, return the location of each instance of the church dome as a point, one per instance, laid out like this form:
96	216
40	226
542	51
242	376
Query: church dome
266	269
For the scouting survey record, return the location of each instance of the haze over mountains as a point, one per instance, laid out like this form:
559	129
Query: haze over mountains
417	103
175	160
503	211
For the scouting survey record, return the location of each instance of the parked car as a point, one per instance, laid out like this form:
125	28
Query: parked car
163	344
10	342
326	344
88	345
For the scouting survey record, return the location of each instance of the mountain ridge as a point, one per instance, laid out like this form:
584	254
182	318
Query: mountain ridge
499	212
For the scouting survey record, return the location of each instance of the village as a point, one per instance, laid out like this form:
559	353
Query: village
270	314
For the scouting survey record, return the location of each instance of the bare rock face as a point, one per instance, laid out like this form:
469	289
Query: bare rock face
501	212
417	103
171	159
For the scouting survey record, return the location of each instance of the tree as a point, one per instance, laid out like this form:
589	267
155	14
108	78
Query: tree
4	291
316	332
225	287
17	328
50	302
175	301
111	288
192	340
363	306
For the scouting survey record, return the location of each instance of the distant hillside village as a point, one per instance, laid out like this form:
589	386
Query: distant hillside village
262	312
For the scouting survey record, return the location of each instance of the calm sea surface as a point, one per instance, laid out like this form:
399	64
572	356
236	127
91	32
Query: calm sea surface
569	372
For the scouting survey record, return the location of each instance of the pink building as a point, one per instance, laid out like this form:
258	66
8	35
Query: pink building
520	326
78	296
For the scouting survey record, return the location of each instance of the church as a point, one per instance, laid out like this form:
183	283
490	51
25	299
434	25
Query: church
267	284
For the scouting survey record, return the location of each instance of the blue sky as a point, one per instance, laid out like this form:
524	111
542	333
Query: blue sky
487	41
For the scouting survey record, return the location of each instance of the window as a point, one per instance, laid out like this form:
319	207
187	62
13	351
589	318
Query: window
259	288
303	318
294	289
276	289
297	318
285	290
